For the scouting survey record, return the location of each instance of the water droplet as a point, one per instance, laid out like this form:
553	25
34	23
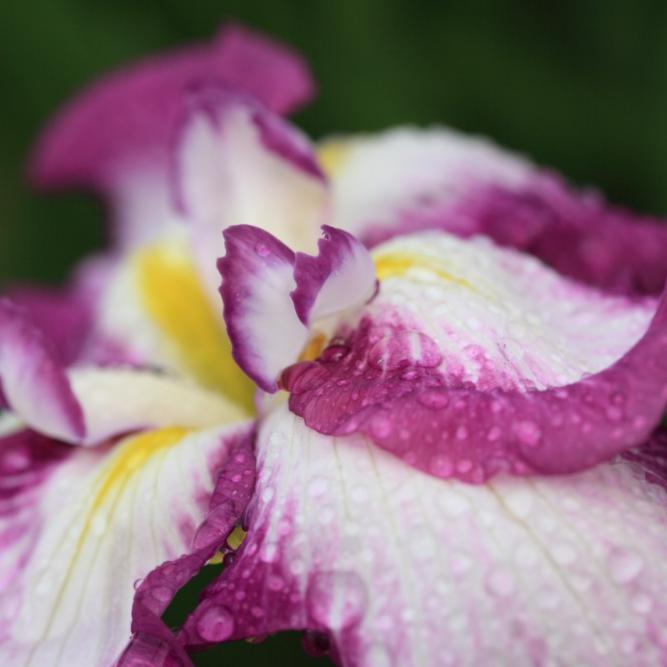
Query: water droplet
336	600
528	433
377	655
275	583
499	582
262	249
494	434
381	426
215	624
434	398
624	566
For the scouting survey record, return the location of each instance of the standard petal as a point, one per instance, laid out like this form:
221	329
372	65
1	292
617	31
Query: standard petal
407	179
236	164
402	569
115	136
257	279
341	276
475	359
79	527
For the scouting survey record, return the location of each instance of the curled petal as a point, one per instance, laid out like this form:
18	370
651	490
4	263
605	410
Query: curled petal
408	179
89	405
79	527
474	360
115	136
236	164
257	278
34	381
402	569
341	276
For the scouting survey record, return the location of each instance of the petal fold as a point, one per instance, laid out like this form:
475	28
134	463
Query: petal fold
474	360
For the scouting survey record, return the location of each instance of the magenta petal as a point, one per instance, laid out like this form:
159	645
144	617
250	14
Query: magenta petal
232	492
34	381
130	115
471	434
342	275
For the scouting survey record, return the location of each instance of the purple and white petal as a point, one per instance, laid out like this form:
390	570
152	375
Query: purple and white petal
78	528
341	276
34	381
115	136
257	279
475	359
88	405
407	180
236	164
400	568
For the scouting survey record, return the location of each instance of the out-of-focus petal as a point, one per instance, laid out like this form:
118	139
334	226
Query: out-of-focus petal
78	528
406	180
257	279
34	381
475	359
89	405
236	164
403	569
61	312
115	136
341	276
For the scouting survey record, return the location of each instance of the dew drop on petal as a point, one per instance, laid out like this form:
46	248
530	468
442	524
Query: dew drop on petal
499	582
215	624
624	566
262	249
528	433
336	600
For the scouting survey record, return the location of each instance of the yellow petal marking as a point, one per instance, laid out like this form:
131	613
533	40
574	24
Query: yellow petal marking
131	455
126	458
173	296
395	265
332	154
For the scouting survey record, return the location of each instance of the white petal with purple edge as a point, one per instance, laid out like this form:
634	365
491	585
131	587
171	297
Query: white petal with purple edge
377	180
79	527
403	569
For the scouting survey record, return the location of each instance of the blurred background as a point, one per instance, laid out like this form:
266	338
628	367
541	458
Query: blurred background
580	85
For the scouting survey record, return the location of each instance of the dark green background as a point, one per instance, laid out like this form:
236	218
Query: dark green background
579	85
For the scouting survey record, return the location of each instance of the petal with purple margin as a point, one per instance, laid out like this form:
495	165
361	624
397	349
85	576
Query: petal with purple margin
341	276
403	569
89	405
80	526
474	359
408	179
257	279
34	381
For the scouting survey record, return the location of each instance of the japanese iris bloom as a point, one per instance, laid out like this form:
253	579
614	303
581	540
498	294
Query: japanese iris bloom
444	446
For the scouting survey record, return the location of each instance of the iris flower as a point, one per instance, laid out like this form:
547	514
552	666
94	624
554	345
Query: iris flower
421	424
